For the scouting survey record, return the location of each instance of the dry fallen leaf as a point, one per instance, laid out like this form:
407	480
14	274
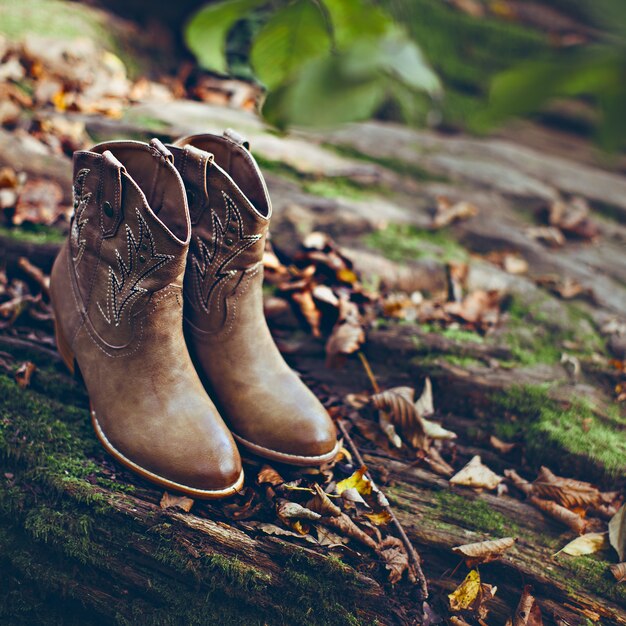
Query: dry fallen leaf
561	514
272	529
520	483
586	544
287	511
309	310
617	532
501	446
397	404
566	491
322	504
476	475
38	202
327	537
352	497
448	212
395	557
546	234
346	526
528	612
619	572
345	339
573	218
24	373
484	551
434	430
268	475
358	481
169	501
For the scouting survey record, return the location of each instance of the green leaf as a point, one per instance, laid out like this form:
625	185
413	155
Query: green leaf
325	94
206	32
354	19
293	36
402	58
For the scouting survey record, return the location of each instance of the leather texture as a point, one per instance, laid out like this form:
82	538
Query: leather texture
116	289
264	402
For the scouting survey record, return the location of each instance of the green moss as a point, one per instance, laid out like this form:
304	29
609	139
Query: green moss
536	335
474	514
594	570
325	187
462	361
570	434
33	233
401	242
455	334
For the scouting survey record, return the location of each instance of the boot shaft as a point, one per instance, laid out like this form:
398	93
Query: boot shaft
129	234
230	211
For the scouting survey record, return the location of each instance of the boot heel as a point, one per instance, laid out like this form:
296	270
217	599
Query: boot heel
64	349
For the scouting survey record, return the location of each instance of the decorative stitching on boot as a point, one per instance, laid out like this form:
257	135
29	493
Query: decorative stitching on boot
209	266
81	199
125	289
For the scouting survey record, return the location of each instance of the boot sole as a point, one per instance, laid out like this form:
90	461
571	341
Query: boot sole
284	457
205	494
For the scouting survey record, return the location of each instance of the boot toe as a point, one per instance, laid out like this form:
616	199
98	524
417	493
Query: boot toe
298	438
204	464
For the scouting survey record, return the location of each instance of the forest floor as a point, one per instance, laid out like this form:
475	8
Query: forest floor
492	268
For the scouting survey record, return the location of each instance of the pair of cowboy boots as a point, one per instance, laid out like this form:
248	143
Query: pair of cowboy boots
157	295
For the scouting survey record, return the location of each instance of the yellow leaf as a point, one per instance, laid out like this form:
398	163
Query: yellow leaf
466	593
358	481
379	519
346	275
586	544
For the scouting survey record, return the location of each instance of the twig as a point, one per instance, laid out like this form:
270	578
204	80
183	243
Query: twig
412	552
369	372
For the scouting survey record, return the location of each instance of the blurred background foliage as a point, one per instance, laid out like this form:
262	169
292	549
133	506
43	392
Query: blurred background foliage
450	63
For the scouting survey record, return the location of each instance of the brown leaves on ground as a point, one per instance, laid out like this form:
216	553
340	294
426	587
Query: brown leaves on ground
169	501
325	291
391	550
619	572
24	373
570	502
35	201
25	299
565	491
564	287
528	612
476	475
347	335
399	406
350	512
572	219
448	212
617	532
560	514
484	551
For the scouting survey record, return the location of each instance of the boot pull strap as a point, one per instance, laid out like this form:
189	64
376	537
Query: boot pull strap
111	194
161	151
235	137
195	180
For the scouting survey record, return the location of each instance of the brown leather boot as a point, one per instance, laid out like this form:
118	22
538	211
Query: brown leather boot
116	289
264	402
